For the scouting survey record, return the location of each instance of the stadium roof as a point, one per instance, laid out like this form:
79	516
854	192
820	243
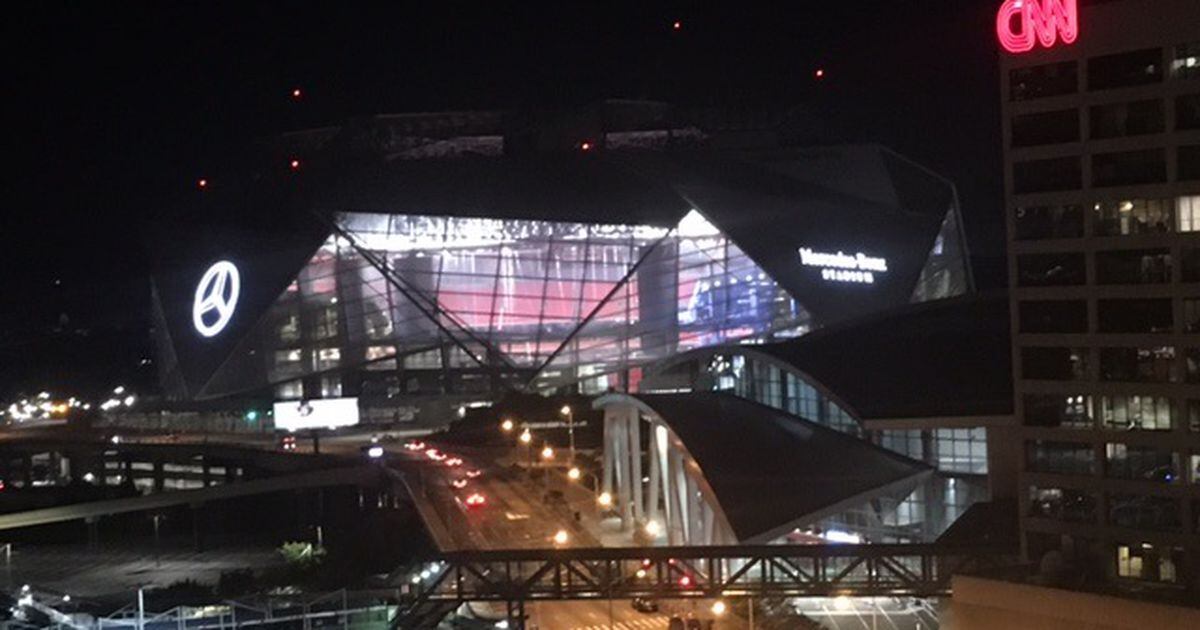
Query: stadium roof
933	360
747	451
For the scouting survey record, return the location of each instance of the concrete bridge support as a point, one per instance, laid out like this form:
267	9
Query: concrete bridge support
658	489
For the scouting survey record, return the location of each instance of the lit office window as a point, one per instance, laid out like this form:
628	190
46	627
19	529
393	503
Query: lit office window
331	386
326	325
1188	211
380	357
1058	411
961	450
1149	413
1148	562
1186	61
427	360
326	358
1133	216
1062	504
285	358
289	328
290	390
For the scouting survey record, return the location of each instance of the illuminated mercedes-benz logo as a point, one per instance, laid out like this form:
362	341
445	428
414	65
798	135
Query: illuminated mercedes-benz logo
215	299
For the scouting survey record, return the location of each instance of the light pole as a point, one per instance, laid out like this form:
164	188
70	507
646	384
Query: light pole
547	456
157	518
570	414
526	438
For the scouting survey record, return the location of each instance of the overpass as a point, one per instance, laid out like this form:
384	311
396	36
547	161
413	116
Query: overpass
515	577
359	475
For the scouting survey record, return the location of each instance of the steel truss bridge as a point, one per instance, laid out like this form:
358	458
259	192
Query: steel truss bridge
441	585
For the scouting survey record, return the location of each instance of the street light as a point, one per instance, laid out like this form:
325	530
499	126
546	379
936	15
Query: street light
653	529
566	411
526	437
605	499
573	474
561	537
547	452
719	608
507	425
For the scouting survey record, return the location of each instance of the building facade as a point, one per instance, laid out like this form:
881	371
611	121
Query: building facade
1101	128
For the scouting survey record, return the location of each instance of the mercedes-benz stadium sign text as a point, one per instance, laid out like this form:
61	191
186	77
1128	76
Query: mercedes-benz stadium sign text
841	267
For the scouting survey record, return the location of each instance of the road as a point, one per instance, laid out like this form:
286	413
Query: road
595	616
514	515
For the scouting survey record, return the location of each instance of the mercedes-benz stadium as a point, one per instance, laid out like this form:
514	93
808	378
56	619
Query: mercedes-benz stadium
459	268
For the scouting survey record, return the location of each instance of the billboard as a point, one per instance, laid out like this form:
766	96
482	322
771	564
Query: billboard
331	413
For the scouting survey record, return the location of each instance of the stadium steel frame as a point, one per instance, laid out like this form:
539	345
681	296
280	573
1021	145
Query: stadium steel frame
520	576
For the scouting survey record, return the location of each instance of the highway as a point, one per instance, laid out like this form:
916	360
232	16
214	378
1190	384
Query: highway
79	511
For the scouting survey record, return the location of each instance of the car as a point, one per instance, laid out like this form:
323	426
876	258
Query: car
453	461
459	484
644	605
415	445
475	500
435	455
471	474
287	443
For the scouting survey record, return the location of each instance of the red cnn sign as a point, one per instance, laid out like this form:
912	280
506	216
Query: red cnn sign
1021	24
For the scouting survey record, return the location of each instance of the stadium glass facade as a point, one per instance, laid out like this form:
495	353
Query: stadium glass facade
959	455
428	305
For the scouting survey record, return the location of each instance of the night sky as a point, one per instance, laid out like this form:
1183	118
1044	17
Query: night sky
120	107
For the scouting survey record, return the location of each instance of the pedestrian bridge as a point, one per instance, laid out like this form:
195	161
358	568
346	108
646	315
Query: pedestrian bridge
442	584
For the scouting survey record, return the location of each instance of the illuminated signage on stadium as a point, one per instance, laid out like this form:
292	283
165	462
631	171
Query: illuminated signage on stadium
857	268
1022	24
216	298
316	414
